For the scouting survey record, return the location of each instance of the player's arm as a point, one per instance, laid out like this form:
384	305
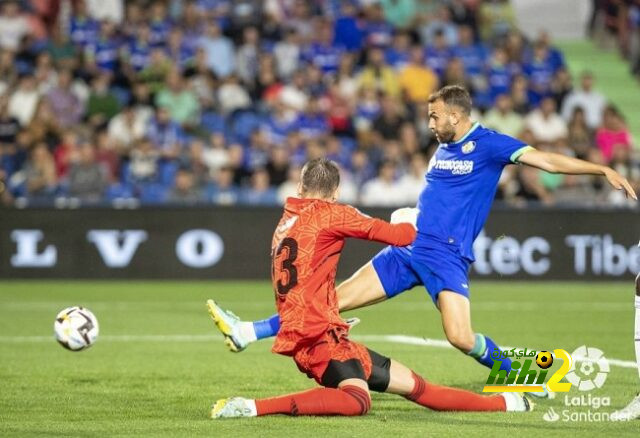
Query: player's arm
556	163
361	226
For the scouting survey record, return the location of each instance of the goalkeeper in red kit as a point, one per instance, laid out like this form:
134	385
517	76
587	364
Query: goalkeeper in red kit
306	248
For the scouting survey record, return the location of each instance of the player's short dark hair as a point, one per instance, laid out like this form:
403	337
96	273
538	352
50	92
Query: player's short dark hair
453	95
320	176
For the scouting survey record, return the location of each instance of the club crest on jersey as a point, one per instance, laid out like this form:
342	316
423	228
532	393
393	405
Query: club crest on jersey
468	147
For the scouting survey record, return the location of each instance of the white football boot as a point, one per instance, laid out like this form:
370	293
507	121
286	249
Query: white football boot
629	412
516	402
235	338
236	407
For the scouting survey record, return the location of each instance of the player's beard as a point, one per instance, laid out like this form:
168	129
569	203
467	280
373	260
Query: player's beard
446	134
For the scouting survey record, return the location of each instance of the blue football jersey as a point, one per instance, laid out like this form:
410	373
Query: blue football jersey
462	179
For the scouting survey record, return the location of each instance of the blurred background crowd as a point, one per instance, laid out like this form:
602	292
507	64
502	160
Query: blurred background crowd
107	102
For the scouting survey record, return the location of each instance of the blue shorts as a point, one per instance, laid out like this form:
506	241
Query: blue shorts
437	268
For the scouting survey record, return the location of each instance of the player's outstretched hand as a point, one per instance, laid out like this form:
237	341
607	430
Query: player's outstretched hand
620	183
406	215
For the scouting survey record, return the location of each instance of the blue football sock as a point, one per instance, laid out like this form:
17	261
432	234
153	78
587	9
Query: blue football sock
482	350
267	327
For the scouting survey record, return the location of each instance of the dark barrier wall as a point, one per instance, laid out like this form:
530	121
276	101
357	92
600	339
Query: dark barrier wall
235	243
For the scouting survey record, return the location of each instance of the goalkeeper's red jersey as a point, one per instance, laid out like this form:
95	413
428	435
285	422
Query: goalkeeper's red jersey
305	251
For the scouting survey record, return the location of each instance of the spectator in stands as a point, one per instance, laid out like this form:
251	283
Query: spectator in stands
61	49
384	190
323	52
247	55
218	49
232	96
438	53
287	53
398	54
44	125
539	71
127	127
181	102
6	199
87	178
9	125
561	86
223	191
400	13
623	162
24	100
289	188
416	79
155	74
215	154
136	56
439	25
112	10
580	137
472	54
361	167
13	25
83	28
520	95
185	190
612	134
144	161
40	173
454	75
496	18
66	106
159	23
378	32
8	70
591	101
545	123
107	154
102	54
413	182
313	123
165	134
278	166
102	105
46	74
390	119
66	152
178	51
259	191
378	75
503	118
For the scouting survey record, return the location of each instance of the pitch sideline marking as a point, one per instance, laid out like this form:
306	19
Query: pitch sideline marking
393	339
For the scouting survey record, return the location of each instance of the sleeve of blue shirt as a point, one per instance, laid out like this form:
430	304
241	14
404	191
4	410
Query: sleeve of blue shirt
506	149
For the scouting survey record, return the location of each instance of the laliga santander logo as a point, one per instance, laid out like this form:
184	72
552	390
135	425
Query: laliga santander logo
592	372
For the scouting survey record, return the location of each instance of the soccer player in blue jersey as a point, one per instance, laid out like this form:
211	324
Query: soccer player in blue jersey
461	183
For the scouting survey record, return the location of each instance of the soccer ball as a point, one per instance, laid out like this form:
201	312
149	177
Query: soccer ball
544	359
76	328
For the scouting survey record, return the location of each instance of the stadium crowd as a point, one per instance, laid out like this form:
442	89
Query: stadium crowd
617	23
222	101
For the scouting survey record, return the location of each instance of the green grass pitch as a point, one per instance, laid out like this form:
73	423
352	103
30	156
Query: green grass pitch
143	378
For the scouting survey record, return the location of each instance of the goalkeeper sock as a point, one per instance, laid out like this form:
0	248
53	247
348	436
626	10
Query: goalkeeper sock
443	398
348	400
482	351
267	328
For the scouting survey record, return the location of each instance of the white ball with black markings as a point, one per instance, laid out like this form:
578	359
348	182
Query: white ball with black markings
76	328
